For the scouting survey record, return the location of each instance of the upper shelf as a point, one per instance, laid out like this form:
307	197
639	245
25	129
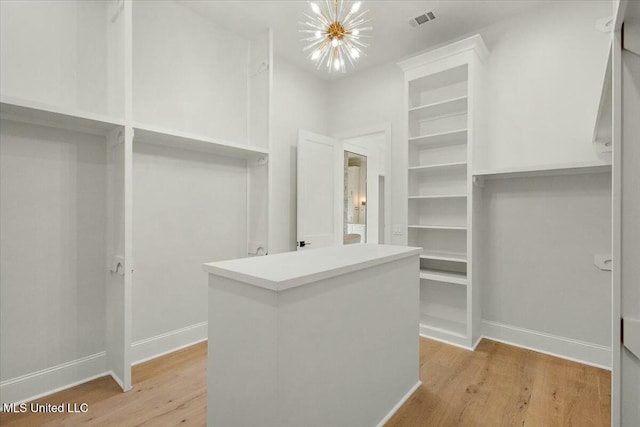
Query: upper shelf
438	167
458	136
597	166
182	140
48	115
441	108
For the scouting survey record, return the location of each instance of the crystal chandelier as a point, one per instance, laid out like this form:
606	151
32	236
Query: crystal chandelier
334	32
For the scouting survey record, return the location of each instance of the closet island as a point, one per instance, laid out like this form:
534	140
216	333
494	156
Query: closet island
326	336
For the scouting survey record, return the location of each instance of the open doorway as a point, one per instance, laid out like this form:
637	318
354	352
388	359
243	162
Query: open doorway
375	143
355	198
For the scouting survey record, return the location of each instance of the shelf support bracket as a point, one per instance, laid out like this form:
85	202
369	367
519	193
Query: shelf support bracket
260	161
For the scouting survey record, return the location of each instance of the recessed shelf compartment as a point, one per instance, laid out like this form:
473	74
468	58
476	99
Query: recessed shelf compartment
442	124
182	140
440	245
436	324
438	181
457	136
443	308
443	276
24	111
438	87
446	107
443	156
597	166
450	211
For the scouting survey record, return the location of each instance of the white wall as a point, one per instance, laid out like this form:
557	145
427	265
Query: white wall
188	74
300	101
59	53
539	240
52	247
189	208
543	84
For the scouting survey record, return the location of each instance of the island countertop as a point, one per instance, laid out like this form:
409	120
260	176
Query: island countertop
288	270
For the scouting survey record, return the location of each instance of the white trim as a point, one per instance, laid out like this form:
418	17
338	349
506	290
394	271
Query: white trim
553	345
399	404
51	380
474	43
447	341
475	344
616	217
159	345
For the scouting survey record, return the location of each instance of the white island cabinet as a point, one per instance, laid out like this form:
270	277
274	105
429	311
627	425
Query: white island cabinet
323	337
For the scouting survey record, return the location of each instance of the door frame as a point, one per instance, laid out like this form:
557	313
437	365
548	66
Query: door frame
616	210
372	188
384	128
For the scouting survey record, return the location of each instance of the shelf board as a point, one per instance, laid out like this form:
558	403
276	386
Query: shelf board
444	276
439	227
441	166
437	324
454	137
25	111
597	166
183	140
438	109
438	196
444	256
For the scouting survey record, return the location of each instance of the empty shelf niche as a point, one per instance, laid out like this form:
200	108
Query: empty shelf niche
439	87
447	154
438	139
439	244
443	309
445	212
438	103
438	181
443	271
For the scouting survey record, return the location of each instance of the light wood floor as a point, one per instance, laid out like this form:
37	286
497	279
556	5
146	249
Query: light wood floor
497	385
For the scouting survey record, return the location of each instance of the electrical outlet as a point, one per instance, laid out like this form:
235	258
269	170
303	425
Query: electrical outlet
397	229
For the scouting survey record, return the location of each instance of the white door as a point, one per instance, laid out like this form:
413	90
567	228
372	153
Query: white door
320	183
625	409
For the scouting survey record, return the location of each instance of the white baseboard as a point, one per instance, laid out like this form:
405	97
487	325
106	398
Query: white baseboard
51	380
166	343
399	404
565	348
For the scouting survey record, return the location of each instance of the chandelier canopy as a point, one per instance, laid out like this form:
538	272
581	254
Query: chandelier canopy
334	32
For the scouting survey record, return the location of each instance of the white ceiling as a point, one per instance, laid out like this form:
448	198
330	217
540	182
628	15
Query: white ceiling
393	37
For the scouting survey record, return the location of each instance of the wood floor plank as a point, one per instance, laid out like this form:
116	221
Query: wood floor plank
496	385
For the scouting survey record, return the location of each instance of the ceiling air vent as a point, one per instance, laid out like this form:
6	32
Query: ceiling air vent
422	19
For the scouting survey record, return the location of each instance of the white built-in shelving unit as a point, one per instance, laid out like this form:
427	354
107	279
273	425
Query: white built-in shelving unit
442	128
109	112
